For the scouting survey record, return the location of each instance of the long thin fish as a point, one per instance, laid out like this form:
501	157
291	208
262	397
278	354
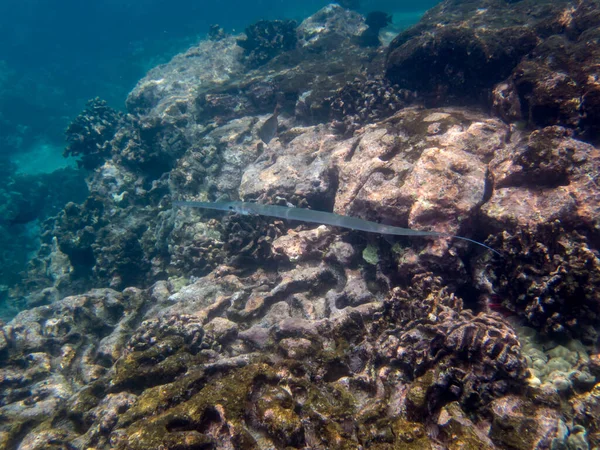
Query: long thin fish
320	217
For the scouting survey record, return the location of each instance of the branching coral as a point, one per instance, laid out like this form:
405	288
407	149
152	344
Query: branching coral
266	39
90	133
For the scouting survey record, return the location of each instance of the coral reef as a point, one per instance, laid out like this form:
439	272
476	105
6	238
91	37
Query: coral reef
461	49
89	135
361	102
551	228
197	379
184	123
152	327
556	84
177	366
267	39
537	58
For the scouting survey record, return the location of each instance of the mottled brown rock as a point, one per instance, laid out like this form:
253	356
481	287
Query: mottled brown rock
557	84
545	176
221	330
461	49
425	169
296	246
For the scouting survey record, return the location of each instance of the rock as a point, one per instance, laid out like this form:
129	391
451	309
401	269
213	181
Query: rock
582	380
460	430
256	335
204	66
342	253
460	50
295	348
221	330
556	84
329	26
303	245
577	439
385	171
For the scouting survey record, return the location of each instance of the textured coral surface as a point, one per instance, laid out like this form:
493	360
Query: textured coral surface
155	327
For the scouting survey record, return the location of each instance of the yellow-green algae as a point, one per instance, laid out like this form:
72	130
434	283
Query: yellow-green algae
275	408
517	430
267	403
142	369
158	398
177	427
417	393
376	430
370	255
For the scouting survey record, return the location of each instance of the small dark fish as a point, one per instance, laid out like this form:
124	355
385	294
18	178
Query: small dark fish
375	21
378	20
268	130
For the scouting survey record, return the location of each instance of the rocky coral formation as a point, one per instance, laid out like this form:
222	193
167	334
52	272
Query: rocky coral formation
309	358
557	83
396	171
537	59
547	178
195	119
199	375
266	39
369	101
89	135
232	331
460	49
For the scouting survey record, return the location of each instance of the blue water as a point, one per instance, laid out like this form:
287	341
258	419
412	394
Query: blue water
55	55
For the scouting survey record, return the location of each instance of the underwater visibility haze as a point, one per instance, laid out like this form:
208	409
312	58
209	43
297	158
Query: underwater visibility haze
370	224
